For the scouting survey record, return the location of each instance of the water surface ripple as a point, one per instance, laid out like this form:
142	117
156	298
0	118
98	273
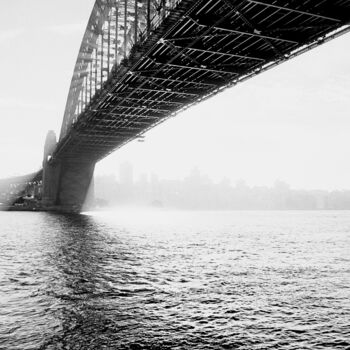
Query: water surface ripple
175	280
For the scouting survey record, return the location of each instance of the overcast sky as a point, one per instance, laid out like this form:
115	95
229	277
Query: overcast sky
291	123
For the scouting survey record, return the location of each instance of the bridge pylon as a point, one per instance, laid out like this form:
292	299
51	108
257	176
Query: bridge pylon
66	183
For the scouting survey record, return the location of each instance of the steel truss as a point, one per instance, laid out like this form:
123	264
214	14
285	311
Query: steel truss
143	61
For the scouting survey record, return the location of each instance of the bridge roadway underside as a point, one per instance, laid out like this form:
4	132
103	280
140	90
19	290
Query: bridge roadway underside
200	48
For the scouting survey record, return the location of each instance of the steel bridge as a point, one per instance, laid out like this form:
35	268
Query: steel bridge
143	61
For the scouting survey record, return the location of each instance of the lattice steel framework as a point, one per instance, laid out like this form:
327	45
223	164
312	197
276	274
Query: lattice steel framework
143	61
114	27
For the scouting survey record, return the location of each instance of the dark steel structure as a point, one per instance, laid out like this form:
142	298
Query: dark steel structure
143	61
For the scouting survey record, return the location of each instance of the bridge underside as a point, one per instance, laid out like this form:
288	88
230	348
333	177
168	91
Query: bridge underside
121	87
200	48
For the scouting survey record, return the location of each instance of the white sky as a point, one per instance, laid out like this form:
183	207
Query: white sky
291	123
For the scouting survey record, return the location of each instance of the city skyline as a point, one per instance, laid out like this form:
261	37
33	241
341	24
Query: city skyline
125	174
199	191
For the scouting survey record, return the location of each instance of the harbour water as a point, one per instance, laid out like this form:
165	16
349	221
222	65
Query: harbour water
160	279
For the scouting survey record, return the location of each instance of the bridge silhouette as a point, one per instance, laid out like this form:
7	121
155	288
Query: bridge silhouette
144	61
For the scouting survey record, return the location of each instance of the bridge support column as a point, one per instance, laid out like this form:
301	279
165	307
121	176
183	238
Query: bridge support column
66	183
74	184
50	172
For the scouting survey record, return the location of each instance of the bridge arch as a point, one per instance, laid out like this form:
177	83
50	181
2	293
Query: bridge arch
143	61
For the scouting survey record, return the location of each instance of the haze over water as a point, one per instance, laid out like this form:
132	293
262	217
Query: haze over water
175	280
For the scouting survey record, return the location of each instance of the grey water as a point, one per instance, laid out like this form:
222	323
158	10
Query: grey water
157	279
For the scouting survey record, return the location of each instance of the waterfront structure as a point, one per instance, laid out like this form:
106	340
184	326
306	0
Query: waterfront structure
21	192
144	61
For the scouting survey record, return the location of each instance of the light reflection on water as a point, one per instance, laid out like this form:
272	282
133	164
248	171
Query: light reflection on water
175	280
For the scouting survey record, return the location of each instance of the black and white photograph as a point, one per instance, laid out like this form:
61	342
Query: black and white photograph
174	175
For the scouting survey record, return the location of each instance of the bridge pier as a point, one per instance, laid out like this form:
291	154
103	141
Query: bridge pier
66	183
66	186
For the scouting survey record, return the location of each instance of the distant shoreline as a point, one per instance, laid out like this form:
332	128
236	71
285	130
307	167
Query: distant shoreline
12	208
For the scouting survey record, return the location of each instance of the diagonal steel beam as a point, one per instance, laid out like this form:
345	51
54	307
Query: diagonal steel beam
142	99
172	80
201	68
227	54
159	110
109	113
298	28
169	91
286	8
255	33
